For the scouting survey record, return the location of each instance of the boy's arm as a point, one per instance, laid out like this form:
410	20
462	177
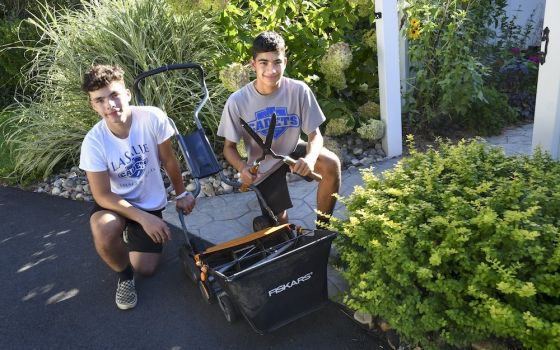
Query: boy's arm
232	156
305	165
171	166
101	190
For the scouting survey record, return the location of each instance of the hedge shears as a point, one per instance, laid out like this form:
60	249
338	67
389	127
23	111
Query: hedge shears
267	150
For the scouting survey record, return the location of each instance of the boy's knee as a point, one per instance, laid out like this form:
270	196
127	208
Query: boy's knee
105	229
329	163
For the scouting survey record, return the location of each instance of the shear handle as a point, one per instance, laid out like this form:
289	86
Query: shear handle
290	161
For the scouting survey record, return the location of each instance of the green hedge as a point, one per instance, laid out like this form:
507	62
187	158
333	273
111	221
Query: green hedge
458	245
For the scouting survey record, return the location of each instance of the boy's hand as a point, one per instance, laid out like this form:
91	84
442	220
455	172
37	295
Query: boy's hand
156	228
186	204
246	176
303	167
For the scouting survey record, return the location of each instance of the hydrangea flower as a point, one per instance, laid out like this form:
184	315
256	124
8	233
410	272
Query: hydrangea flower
372	130
369	110
370	39
334	62
364	7
234	76
337	127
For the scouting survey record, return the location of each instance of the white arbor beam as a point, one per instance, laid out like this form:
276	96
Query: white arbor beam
389	76
546	130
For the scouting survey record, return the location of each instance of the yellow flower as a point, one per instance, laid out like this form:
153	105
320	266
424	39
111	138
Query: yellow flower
414	33
414	23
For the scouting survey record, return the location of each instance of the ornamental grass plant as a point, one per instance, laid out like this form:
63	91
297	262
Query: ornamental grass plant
458	245
50	122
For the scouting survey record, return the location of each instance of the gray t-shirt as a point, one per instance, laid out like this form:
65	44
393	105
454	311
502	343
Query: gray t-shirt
296	110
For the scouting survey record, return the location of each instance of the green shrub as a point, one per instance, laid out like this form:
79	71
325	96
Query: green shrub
458	245
310	28
12	59
453	50
137	35
6	160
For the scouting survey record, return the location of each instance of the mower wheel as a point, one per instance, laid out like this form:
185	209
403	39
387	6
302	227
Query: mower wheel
227	307
188	264
207	293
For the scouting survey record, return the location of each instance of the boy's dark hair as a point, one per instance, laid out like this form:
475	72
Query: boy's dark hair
101	75
268	42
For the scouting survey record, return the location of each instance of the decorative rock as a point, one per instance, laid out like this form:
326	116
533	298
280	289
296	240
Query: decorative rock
86	189
79	197
367	161
364	318
216	183
69	183
58	182
226	188
56	191
355	162
208	190
191	187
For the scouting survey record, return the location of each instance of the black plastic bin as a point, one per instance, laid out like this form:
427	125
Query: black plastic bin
275	290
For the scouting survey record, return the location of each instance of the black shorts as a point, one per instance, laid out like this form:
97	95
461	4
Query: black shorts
138	239
274	188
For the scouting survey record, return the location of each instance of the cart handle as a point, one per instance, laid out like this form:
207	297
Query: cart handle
143	75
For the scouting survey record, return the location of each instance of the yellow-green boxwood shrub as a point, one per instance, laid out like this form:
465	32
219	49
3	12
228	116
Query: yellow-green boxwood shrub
457	245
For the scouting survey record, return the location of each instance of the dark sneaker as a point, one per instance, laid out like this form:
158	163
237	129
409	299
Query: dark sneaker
126	295
261	222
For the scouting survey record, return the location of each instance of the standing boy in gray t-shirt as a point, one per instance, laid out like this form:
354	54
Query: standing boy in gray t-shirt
297	110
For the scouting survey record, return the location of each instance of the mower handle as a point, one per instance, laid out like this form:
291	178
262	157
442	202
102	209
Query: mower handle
177	66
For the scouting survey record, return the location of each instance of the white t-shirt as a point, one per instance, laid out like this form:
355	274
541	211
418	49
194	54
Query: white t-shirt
133	163
296	110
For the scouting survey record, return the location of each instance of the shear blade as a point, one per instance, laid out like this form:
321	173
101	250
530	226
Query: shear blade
270	133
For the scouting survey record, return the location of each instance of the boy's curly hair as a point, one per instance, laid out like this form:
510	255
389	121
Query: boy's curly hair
268	42
101	75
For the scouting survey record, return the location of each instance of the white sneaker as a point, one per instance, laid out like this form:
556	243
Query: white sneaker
126	297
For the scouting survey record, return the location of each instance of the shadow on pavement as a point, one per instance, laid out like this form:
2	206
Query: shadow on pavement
57	294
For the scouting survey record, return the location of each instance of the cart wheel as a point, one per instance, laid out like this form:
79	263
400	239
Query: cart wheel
207	294
188	264
227	307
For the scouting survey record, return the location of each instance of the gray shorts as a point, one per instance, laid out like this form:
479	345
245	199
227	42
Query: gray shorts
274	188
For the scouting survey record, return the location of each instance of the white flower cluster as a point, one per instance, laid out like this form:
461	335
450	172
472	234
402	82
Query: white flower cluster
369	110
334	62
234	76
372	130
337	127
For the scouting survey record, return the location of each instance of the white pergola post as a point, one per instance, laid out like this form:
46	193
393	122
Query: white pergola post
389	75
546	130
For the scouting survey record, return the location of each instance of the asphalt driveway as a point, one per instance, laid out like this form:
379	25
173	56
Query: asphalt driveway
57	294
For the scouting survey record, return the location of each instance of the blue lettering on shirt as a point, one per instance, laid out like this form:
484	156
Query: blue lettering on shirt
133	163
283	121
